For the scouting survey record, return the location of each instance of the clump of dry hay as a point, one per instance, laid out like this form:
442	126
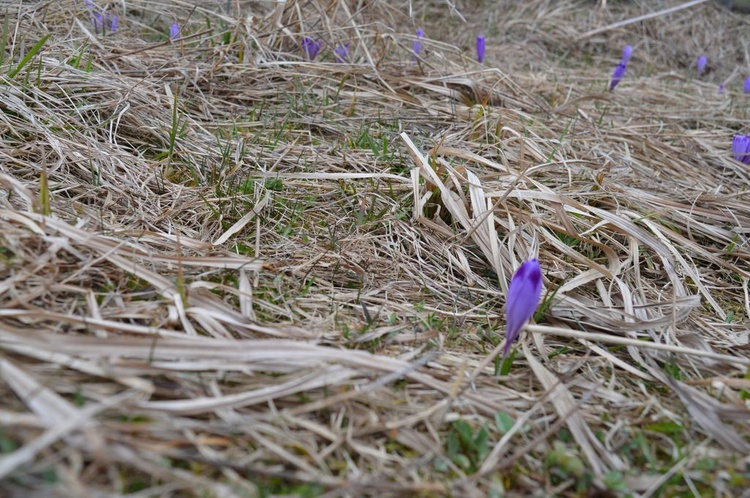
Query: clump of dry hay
229	271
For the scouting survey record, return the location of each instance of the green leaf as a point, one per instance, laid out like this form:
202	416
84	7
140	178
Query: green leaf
464	431
615	481
36	48
462	461
504	422
481	443
453	445
441	465
666	428
507	363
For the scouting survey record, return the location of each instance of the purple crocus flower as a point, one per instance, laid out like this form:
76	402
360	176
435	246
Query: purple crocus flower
617	75
174	31
342	53
417	47
701	64
523	299
98	20
747	85
741	148
480	48
112	23
311	48
89	4
721	89
627	52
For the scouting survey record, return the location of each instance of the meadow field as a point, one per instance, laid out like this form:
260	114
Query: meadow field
263	248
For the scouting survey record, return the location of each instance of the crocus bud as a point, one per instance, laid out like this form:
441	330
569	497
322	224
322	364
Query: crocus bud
311	48
174	31
627	52
113	23
523	299
701	64
480	48
747	85
98	20
417	47
617	75
741	148
342	53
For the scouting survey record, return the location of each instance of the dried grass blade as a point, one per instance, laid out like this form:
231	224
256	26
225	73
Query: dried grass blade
705	411
46	403
314	380
242	222
567	408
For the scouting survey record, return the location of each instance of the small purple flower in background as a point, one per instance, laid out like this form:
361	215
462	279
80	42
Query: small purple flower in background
342	53
627	53
112	23
417	47
617	75
174	31
721	89
747	85
701	64
311	48
741	148
480	48
98	20
523	299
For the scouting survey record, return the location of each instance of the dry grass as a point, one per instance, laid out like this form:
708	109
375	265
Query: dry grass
228	271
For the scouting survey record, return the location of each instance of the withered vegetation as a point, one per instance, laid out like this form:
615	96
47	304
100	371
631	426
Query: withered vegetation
226	270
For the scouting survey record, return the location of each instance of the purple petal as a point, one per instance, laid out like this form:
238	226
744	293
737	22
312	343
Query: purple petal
617	75
627	52
523	299
721	89
741	148
417	47
98	21
342	53
747	85
311	48
701	64
113	23
174	31
480	48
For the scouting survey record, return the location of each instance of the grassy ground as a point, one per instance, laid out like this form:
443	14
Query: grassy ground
229	271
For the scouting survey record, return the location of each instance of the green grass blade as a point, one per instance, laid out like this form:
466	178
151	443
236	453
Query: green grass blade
34	50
